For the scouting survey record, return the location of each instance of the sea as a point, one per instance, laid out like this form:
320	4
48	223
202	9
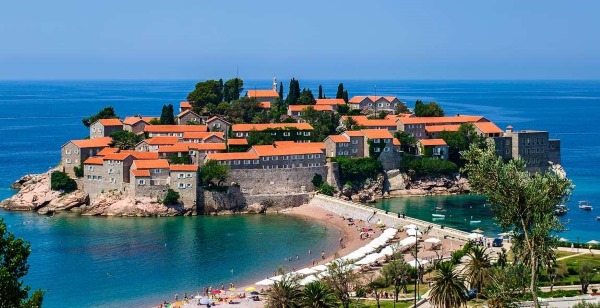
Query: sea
111	262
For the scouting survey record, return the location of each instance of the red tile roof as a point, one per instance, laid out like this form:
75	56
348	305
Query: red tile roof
377	133
330	101
354	133
396	142
432	142
269	150
116	156
151	164
216	118
488	128
338	138
231	156
316	145
175	148
237	141
373	98
162	140
110	122
366	122
262	93
174	128
183	168
208	146
298	108
133	120
185	105
107	151
142	155
94	161
441	128
441	120
261	127
265	105
93	143
202	135
140	173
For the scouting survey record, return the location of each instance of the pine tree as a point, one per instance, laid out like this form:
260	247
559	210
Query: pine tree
320	92
340	91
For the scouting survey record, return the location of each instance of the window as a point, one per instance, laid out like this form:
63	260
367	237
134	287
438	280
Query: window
386	140
274	134
265	158
306	133
286	134
376	140
180	175
68	152
239	134
354	141
111	171
354	151
340	153
189	175
181	185
157	170
275	158
76	151
377	149
247	162
68	160
286	157
299	133
189	184
386	149
90	168
317	155
256	161
89	177
112	180
236	162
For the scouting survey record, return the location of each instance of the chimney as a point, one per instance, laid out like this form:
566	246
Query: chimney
509	129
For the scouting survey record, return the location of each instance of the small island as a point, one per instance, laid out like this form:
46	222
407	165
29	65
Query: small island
227	153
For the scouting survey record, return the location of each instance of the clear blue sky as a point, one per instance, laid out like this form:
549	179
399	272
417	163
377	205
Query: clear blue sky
325	39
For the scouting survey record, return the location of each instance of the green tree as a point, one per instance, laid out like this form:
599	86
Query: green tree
397	273
211	171
259	138
350	123
232	89
358	170
407	141
166	115
448	289
584	304
285	293
477	268
431	109
78	170
105	113
294	93
507	285
460	141
376	284
522	202
586	275
154	121
243	110
14	253
326	189
320	92
345	96
306	97
340	91
317	180
172	197
125	140
319	295
206	92
401	108
61	181
342	279
184	159
281	91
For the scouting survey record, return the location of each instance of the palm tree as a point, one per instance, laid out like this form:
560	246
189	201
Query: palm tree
448	288
477	269
319	295
284	294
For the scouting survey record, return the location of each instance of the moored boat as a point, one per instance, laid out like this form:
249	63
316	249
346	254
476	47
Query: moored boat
438	215
585	205
475	221
560	210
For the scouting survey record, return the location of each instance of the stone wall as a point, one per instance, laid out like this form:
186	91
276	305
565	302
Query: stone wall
373	215
276	181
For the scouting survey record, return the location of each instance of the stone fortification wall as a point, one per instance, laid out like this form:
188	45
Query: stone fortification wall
272	203
373	215
276	181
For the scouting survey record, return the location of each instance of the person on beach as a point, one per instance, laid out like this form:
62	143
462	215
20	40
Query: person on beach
176	297
309	252
323	254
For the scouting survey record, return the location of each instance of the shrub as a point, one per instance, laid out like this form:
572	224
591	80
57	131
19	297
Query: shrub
78	171
172	197
317	180
357	170
61	181
179	160
427	166
326	189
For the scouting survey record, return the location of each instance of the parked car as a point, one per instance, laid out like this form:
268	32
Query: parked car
471	294
497	242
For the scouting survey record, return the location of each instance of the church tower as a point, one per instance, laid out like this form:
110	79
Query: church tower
275	84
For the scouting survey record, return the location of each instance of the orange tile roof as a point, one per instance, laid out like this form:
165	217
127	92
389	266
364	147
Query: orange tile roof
183	168
432	142
185	112
215	118
298	108
377	133
441	120
317	145
162	140
262	93
488	128
330	101
174	128
107	151
364	121
175	148
265	105
133	120
216	146
93	143
269	150
116	156
338	138
110	122
261	127
142	155
237	141
185	105
140	173
231	156
396	141
373	98
354	133
151	164
94	161
441	128
202	135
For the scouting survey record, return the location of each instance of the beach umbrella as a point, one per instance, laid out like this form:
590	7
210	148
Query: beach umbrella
232	289
380	224
411	226
250	289
306	271
407	241
416	262
197	297
474	236
216	292
413	232
277	278
477	231
307	280
204	301
320	268
594	242
254	293
265	282
432	240
368	259
387	251
562	239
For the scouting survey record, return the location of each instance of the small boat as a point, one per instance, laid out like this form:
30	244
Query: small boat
585	205
440	209
438	215
597	217
560	210
475	221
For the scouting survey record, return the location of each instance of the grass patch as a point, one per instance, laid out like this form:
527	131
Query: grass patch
383	304
573	264
560	254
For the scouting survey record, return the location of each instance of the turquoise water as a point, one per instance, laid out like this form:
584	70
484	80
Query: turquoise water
105	261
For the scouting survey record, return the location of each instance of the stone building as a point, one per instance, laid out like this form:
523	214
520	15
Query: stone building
263	95
184	106
331	101
188	117
107	173
374	103
216	124
299	132
105	127
436	148
173	130
420	127
347	144
75	152
184	180
136	124
377	143
150	178
204	137
154	143
532	146
296	111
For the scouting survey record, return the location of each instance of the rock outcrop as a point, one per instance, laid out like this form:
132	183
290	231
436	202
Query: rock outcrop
371	190
403	185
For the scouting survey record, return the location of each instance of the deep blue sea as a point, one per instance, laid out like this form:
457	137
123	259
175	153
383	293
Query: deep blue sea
83	261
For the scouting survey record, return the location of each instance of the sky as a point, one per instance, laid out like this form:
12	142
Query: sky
326	39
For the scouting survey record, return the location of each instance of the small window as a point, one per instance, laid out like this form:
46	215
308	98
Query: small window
76	151
236	162
354	141
247	162
265	158
386	149
189	184
354	151
275	158
157	170
286	134
189	175
181	185
68	160
68	152
90	168
377	149
286	157
180	175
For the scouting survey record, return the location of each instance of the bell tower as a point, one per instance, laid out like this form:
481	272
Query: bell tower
275	84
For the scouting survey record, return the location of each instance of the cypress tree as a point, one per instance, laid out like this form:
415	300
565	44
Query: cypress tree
340	91
166	115
320	92
220	90
345	96
281	90
294	93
